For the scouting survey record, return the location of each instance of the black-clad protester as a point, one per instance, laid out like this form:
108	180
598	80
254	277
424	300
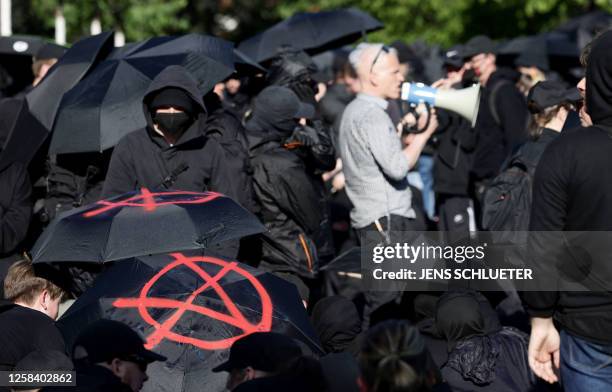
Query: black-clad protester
453	161
312	141
288	194
502	115
258	355
338	325
572	191
27	317
172	151
473	350
508	200
110	357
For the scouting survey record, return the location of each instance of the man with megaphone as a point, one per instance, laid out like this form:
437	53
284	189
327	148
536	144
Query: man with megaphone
375	163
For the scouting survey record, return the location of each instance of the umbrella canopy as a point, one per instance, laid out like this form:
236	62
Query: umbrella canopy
36	115
107	104
191	308
312	32
582	29
547	50
20	131
142	223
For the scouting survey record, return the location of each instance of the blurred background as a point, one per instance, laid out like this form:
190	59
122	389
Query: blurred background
439	22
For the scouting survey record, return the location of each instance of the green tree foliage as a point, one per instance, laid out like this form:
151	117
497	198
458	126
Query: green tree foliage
435	21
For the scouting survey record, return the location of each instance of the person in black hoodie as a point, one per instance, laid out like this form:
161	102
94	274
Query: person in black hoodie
287	194
502	117
473	350
456	142
172	151
572	191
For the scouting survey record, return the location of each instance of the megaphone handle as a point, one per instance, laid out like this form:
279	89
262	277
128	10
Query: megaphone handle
428	106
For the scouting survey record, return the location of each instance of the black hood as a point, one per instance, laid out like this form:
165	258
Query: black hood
599	81
337	323
177	77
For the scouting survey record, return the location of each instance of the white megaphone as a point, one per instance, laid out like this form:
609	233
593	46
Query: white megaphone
464	102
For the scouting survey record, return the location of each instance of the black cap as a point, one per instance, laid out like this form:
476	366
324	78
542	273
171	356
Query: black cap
104	340
283	103
44	360
50	51
476	45
265	351
453	56
175	97
532	58
550	93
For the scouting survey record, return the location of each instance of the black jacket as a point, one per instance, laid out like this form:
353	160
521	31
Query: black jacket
573	192
15	207
224	127
496	141
23	330
453	161
195	163
290	206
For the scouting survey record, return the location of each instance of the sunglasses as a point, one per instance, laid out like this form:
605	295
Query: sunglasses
383	48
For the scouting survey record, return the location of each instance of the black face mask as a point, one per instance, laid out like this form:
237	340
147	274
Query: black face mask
173	123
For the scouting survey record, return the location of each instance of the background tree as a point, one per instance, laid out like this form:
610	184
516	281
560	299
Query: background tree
435	21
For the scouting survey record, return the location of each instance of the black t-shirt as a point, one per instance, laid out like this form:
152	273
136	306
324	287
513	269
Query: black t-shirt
23	330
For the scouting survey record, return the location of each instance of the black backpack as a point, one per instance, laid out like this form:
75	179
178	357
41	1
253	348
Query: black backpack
507	202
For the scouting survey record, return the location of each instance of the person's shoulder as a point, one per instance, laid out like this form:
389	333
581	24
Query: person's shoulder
26	316
133	138
581	136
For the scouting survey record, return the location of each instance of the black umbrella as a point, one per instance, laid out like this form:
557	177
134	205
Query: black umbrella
550	44
312	32
37	113
107	104
582	29
142	223
191	308
548	50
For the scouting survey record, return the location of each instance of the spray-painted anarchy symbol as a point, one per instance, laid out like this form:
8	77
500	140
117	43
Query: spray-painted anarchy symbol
235	318
150	201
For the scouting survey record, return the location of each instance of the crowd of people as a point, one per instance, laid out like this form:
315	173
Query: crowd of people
321	161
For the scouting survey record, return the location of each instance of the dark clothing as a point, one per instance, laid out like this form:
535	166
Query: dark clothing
497	140
290	206
531	152
479	355
341	372
332	106
492	363
337	324
453	161
23	330
95	379
224	127
194	163
15	207
572	191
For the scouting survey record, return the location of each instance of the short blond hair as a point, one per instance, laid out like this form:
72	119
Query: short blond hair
22	285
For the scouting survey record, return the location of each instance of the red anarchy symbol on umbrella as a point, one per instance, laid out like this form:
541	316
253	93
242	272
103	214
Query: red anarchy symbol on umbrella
235	318
146	200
